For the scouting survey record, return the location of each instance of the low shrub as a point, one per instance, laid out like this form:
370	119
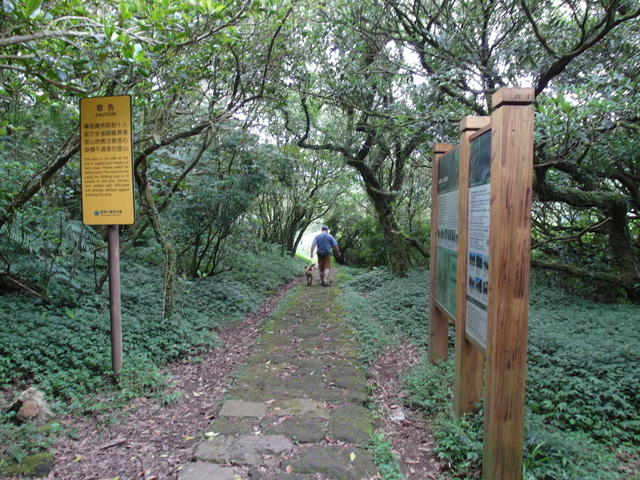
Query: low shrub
554	454
66	351
583	378
382	306
430	387
388	465
584	367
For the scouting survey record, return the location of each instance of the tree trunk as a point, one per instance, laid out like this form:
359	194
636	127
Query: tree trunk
395	245
170	257
295	218
624	254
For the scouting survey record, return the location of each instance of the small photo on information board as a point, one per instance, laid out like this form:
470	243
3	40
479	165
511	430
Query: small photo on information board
106	161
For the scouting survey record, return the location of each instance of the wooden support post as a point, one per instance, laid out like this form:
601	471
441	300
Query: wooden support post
508	303
438	322
469	361
114	298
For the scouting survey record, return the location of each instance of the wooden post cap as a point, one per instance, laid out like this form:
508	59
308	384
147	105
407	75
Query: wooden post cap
441	148
474	123
513	96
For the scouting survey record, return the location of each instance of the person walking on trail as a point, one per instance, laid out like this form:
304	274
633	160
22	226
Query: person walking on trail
325	244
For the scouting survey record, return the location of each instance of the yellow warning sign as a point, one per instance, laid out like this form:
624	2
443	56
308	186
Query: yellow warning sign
106	161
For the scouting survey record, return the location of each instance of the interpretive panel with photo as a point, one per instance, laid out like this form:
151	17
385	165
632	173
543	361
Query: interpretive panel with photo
447	234
478	231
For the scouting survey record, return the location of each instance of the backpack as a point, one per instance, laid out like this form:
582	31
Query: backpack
323	252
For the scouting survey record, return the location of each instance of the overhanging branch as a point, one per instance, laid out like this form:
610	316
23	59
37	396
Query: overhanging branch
584	273
414	242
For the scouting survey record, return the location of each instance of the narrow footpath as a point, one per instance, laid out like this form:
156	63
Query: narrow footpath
296	410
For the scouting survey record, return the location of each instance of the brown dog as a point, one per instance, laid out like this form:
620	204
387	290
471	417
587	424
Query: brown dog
308	271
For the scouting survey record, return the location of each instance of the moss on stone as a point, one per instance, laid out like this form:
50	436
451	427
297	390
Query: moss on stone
37	465
351	424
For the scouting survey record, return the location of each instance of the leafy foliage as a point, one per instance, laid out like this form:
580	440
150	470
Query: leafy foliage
371	250
584	370
434	379
381	306
582	390
388	465
460	443
203	74
581	220
548	453
354	97
552	453
26	439
206	213
66	350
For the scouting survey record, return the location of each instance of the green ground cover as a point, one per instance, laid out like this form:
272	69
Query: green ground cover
583	394
583	387
65	351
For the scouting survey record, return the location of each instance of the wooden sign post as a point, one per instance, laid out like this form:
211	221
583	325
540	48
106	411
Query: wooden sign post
106	165
469	362
492	232
508	307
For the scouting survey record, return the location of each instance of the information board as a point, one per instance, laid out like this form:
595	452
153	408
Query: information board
478	231
106	161
491	245
447	234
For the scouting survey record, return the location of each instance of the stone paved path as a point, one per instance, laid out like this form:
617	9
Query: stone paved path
297	409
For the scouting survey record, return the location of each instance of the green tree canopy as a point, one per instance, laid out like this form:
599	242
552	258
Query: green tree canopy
330	93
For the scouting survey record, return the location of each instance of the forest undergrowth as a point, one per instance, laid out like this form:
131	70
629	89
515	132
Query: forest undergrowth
583	390
583	383
64	350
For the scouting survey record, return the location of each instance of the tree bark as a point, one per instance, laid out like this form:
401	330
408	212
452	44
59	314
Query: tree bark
395	245
170	257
